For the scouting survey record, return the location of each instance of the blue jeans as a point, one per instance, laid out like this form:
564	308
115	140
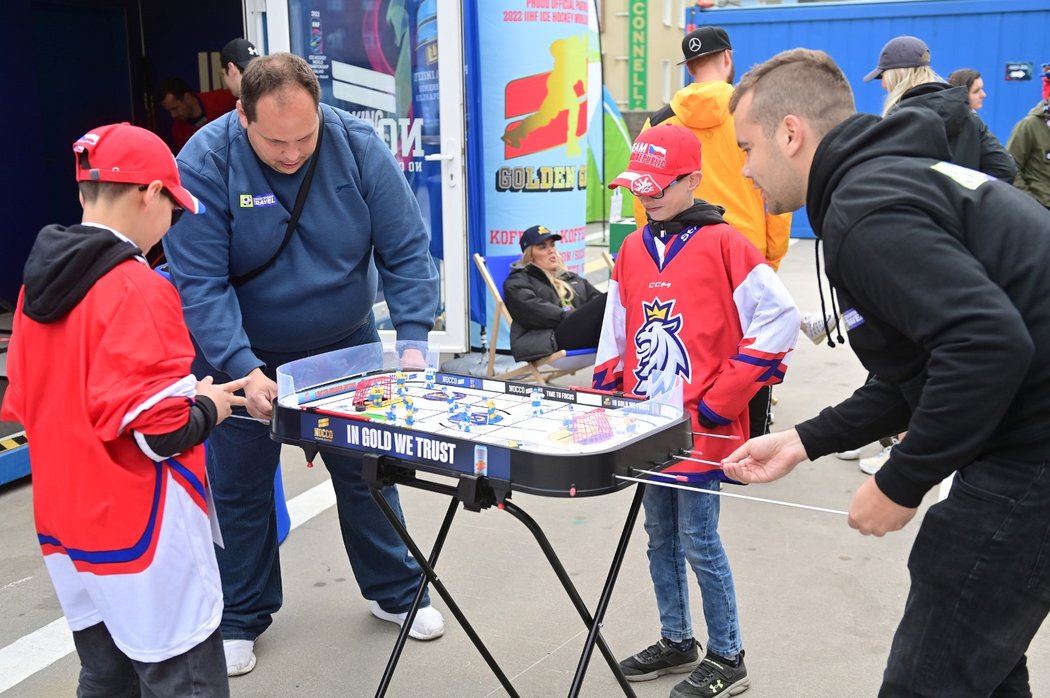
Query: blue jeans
683	526
980	586
242	460
106	672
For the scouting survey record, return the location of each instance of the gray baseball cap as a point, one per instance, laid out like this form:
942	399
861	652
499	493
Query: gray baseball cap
901	52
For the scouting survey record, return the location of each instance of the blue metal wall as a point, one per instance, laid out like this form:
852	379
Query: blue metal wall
979	34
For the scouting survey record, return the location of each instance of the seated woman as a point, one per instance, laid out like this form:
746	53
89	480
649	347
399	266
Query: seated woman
542	295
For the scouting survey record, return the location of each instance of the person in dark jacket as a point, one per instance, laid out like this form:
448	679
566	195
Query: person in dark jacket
904	67
953	323
541	294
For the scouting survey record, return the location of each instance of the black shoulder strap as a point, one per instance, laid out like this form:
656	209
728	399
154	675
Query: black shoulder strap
661	116
300	201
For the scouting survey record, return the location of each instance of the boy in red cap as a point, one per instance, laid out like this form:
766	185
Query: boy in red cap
99	368
691	298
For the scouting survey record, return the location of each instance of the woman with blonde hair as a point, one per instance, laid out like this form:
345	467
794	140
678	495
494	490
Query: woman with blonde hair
542	296
910	82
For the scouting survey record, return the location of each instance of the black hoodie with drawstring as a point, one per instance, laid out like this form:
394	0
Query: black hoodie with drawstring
941	275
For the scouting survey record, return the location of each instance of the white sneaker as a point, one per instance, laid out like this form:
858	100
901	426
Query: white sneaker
813	326
428	624
848	455
871	465
240	656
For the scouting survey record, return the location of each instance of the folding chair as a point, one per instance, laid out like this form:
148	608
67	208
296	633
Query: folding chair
561	363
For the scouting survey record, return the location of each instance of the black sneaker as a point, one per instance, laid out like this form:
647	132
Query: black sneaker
657	660
713	677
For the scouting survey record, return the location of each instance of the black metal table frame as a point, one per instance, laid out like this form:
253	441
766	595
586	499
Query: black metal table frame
476	494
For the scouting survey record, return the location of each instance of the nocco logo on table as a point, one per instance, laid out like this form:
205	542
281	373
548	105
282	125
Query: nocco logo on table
322	432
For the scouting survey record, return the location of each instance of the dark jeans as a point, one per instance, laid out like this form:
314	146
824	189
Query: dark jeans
980	586
581	328
242	461
106	672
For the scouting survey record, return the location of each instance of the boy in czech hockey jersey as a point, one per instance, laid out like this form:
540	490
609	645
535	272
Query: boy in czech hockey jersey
691	297
99	368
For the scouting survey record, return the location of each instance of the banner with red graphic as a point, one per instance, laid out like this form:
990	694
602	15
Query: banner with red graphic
535	59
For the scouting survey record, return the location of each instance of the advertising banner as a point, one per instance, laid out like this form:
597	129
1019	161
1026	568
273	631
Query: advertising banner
378	60
536	56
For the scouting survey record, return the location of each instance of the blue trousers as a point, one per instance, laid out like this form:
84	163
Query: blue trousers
683	528
980	586
242	461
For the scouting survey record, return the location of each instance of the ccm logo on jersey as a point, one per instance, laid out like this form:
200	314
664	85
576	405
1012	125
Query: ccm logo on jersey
660	284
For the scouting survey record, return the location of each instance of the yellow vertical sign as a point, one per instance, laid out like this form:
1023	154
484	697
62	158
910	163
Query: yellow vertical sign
638	44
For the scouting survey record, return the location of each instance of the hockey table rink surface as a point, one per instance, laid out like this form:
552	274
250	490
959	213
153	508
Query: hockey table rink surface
503	429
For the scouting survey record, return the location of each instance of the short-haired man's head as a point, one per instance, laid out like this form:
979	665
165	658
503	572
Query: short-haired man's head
176	87
803	82
274	74
711	60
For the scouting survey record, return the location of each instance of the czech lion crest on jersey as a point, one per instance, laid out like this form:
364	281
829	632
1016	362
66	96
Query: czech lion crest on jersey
658	346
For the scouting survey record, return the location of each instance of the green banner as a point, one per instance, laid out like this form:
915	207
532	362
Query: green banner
638	46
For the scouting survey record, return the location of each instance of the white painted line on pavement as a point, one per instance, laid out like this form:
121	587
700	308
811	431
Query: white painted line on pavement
41	648
33	652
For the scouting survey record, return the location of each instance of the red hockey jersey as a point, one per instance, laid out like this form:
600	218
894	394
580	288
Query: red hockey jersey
705	307
125	533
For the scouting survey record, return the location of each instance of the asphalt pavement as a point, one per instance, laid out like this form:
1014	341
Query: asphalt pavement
818	602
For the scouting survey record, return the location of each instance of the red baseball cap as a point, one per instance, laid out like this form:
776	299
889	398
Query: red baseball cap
130	155
659	155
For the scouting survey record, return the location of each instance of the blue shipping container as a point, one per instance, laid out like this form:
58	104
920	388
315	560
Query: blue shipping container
981	34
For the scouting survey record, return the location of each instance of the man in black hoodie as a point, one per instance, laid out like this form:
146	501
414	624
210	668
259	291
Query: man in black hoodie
941	274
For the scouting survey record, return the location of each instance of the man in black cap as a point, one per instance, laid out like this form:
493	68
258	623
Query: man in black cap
235	56
703	107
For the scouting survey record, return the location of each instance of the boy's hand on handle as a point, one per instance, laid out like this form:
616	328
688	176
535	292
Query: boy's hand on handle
765	458
260	392
222	395
874	514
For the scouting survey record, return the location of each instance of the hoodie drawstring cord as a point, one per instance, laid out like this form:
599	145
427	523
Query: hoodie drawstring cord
820	291
835	310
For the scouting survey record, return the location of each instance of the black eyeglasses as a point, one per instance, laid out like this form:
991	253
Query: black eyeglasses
176	209
663	191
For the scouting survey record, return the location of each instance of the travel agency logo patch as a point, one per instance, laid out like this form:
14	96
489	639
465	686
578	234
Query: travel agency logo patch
252	201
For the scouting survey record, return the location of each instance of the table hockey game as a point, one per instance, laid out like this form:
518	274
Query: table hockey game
492	438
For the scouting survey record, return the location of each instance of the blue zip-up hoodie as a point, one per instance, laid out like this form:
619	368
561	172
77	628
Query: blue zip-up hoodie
360	218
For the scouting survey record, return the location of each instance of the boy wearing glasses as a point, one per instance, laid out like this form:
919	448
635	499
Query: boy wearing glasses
691	297
99	368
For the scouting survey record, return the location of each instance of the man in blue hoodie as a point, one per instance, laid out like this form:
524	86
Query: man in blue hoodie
941	274
259	291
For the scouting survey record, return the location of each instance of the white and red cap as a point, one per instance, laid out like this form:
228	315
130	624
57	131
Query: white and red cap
130	155
659	156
